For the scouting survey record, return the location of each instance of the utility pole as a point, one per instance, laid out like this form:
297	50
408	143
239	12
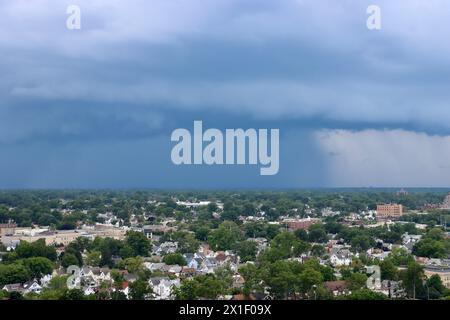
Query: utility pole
428	290
414	282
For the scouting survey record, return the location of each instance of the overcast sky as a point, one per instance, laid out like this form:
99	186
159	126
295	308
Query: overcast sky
95	107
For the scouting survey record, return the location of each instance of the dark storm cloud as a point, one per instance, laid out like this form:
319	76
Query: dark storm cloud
138	69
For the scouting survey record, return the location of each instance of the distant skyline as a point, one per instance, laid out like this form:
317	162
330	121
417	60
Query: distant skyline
94	108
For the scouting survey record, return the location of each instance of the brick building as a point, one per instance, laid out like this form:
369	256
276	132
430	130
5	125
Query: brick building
389	211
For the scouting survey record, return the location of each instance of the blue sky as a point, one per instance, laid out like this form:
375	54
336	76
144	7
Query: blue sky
95	107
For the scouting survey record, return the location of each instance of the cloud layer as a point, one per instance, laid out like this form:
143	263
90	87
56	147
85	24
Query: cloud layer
139	68
386	158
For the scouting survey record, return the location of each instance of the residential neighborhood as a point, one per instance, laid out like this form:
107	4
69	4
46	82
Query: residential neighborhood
360	245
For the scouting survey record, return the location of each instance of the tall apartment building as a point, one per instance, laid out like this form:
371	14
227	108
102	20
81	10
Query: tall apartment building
389	211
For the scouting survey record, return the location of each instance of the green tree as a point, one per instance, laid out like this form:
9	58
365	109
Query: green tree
69	259
435	288
361	243
94	258
413	280
58	283
201	233
284	243
400	257
317	250
73	294
317	233
74	249
430	248
118	295
308	279
174	258
225	237
14	295
356	281
366	294
126	252
187	243
132	265
35	249
211	286
435	234
38	266
246	250
301	234
212	207
138	242
388	270
187	291
252	276
282	277
13	273
139	290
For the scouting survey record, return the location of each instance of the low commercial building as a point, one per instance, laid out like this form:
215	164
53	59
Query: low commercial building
7	229
105	231
442	271
295	224
63	237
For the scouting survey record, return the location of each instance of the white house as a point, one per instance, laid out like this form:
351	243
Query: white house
342	257
45	280
162	287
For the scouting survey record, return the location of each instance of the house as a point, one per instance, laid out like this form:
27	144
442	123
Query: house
172	269
86	272
340	257
194	263
221	257
392	289
45	280
195	260
187	272
32	286
377	253
205	249
165	248
101	274
188	256
150	230
208	265
59	272
162	287
89	290
125	289
238	281
89	281
337	288
14	287
159	266
93	276
10	244
261	243
130	277
409	240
